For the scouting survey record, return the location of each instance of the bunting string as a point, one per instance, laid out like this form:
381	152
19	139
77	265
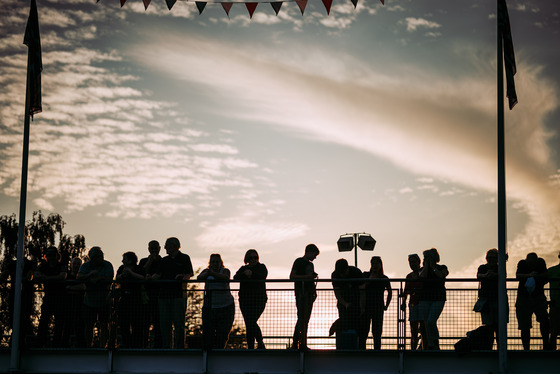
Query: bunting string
250	5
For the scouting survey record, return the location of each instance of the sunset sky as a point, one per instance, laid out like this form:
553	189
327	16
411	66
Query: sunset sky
278	131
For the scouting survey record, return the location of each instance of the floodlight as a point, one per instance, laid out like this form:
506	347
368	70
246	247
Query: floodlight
345	243
366	242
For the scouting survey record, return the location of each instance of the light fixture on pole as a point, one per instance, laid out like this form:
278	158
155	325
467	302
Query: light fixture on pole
351	241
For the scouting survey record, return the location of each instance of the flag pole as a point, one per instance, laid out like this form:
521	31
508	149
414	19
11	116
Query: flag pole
16	330
502	213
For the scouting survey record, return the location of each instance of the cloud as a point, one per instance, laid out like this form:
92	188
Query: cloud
413	24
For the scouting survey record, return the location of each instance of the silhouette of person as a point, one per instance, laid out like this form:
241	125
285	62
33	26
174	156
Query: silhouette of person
433	295
219	309
130	276
52	274
97	273
554	278
412	287
487	303
303	274
151	309
175	266
347	295
252	296
375	305
532	276
73	313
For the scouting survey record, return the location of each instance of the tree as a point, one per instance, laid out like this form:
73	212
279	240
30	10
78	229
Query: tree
40	233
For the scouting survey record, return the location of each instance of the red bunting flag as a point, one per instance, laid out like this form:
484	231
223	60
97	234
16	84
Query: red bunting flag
276	5
301	4
509	55
227	7
122	2
170	3
327	4
355	2
146	4
32	39
251	8
383	2
200	5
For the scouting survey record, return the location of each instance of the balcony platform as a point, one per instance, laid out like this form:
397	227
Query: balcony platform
230	361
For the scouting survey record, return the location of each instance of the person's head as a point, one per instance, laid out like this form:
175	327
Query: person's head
431	254
311	252
95	256
215	263
376	265
532	259
154	247
341	267
129	259
172	246
51	254
492	256
251	257
414	262
75	264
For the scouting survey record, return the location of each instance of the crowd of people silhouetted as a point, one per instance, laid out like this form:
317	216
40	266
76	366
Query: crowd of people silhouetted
77	301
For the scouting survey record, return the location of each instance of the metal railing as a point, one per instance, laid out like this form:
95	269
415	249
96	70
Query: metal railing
137	308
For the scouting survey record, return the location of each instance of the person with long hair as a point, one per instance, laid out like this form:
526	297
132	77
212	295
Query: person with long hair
412	288
252	296
376	304
218	310
433	295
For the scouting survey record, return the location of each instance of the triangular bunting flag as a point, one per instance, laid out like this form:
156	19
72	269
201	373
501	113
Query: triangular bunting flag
301	4
146	4
276	5
227	7
170	3
200	5
251	8
327	4
355	2
383	2
122	2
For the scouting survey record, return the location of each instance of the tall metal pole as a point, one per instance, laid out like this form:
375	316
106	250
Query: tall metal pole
502	214
16	327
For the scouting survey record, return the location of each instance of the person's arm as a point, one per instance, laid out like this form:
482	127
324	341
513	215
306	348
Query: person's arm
240	274
259	272
440	271
389	294
188	271
223	275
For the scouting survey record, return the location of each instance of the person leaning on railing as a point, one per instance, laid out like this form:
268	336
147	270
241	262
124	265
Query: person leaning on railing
252	296
554	278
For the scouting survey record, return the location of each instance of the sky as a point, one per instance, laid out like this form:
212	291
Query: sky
274	132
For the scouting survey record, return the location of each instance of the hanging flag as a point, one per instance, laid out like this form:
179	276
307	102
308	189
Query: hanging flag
227	7
355	2
383	2
200	5
276	5
146	4
122	2
170	3
509	55
301	4
32	40
327	4
251	8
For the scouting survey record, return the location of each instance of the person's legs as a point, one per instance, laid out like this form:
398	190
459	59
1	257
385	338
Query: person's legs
304	304
524	321
222	319
377	328
431	311
178	316
164	305
250	318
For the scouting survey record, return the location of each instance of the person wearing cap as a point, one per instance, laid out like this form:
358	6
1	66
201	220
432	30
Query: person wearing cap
554	278
303	273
